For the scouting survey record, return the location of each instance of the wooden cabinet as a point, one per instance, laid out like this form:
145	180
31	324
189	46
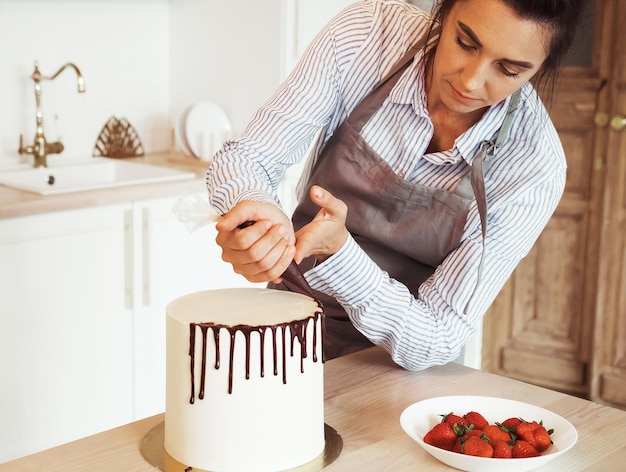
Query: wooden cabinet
560	321
82	328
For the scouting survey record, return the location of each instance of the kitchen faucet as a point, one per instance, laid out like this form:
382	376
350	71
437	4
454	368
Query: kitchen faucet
41	148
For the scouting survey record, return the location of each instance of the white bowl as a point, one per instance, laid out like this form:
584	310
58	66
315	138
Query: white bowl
419	418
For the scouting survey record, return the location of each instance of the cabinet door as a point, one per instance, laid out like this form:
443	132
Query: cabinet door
171	262
65	336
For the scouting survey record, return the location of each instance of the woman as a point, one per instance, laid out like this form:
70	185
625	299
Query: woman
435	171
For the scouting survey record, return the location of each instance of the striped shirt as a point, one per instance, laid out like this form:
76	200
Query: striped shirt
523	185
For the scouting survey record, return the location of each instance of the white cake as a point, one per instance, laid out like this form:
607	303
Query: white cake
256	403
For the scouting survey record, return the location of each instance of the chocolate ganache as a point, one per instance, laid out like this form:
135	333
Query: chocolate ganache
294	330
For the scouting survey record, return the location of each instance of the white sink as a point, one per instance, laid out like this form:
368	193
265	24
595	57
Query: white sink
95	173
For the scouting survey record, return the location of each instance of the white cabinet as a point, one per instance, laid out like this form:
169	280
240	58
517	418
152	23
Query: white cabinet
65	335
82	323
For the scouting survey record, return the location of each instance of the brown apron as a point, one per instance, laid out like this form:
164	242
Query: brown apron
407	229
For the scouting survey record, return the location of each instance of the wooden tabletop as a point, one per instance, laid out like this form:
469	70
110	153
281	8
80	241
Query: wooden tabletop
365	395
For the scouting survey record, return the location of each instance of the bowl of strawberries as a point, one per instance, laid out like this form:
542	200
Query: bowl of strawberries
483	434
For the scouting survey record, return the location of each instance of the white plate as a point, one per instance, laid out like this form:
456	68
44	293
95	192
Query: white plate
180	134
206	128
419	418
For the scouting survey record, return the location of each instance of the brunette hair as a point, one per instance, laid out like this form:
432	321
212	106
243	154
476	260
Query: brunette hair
559	18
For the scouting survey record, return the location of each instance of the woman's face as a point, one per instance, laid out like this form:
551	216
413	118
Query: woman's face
485	53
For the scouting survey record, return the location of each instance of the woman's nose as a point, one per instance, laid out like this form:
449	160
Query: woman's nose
473	75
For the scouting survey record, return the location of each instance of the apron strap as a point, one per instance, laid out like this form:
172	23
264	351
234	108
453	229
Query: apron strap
476	176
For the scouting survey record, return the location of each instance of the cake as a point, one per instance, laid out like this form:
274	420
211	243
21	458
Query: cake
244	388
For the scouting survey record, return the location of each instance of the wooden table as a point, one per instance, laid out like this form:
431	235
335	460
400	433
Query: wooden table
365	394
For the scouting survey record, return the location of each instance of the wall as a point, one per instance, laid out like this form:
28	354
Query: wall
226	52
122	48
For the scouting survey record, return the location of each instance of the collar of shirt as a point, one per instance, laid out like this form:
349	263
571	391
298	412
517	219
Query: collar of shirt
411	90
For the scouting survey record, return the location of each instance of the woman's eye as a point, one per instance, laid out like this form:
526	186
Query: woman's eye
510	73
464	46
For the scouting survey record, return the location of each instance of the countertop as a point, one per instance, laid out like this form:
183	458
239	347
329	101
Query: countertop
365	393
15	203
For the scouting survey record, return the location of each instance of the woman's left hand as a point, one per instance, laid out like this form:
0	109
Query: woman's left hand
327	232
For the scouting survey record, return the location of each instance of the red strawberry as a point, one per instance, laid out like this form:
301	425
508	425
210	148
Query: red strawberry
453	419
442	436
467	433
476	433
495	433
542	438
476	419
501	450
457	446
477	447
511	423
526	431
523	449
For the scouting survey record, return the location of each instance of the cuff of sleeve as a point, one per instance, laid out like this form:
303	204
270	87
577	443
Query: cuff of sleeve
256	196
226	203
350	275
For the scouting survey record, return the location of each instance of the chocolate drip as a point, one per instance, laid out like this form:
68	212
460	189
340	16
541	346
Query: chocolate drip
283	328
192	350
216	339
262	349
297	330
231	356
203	373
274	353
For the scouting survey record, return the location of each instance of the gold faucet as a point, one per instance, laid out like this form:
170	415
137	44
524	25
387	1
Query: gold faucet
41	148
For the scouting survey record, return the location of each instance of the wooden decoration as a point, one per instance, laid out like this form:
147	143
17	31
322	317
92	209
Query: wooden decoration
118	138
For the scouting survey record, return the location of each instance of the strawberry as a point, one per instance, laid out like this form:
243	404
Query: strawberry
477	447
442	435
476	419
476	433
466	433
457	446
523	449
495	433
501	450
526	431
453	419
542	438
511	423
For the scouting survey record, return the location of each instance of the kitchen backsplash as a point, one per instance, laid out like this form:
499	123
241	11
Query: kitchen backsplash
123	51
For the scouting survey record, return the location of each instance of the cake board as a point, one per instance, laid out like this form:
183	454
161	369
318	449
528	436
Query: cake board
153	450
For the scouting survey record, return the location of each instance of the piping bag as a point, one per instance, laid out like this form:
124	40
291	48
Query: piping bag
195	213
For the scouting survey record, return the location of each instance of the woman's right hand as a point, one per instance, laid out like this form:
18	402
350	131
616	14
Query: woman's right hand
261	251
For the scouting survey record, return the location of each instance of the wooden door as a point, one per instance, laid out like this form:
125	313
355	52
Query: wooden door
608	368
540	328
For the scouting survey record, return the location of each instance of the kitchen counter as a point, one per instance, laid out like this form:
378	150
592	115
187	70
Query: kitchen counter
365	393
16	203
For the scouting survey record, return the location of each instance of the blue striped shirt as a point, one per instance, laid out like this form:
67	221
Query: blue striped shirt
523	185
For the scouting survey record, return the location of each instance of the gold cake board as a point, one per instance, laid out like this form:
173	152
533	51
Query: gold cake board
153	450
